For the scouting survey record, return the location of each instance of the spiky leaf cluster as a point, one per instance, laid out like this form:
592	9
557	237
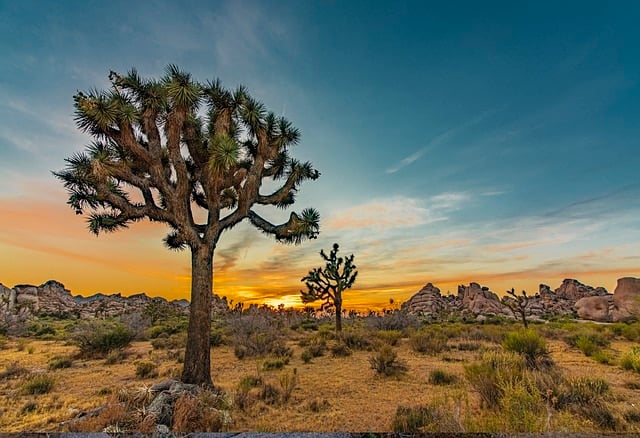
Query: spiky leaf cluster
154	157
328	283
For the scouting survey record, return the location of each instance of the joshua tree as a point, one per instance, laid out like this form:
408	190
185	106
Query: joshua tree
193	156
518	304
327	284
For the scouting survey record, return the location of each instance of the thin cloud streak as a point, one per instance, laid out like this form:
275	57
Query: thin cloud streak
441	139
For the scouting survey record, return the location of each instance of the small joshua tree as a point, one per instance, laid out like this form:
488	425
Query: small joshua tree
328	284
518	304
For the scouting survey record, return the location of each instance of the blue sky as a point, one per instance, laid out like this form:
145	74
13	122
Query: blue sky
495	142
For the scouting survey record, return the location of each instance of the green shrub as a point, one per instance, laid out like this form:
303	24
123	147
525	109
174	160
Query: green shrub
216	338
386	362
28	408
441	377
631	360
13	369
423	419
99	337
275	363
58	362
306	356
391	337
602	357
340	349
489	375
288	383
531	346
468	346
169	342
588	339
428	342
269	394
583	391
40	384
356	339
522	408
145	369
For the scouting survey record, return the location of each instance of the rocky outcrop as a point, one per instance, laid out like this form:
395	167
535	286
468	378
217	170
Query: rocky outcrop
52	299
427	302
480	300
623	305
569	299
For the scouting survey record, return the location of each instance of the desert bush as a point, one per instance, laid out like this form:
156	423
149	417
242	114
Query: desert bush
531	346
169	342
21	345
441	377
145	369
631	360
100	337
602	357
468	346
216	337
426	342
306	356
316	405
396	320
630	332
522	408
38	384
489	375
258	333
391	337
423	419
356	339
386	362
288	383
28	408
200	412
242	398
13	369
269	394
115	356
340	349
58	362
276	363
588	339
632	415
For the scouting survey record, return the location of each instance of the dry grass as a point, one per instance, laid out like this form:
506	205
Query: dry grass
331	394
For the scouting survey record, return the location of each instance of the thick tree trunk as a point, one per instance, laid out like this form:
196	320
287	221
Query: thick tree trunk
197	357
338	305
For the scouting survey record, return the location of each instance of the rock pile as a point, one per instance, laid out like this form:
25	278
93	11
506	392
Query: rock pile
52	299
571	298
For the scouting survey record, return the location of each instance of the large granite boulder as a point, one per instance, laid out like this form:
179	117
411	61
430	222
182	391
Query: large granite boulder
574	290
596	308
427	302
480	300
626	297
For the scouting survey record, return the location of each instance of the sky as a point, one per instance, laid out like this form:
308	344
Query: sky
495	142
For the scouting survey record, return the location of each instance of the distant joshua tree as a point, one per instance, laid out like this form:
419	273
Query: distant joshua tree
328	284
518	304
193	156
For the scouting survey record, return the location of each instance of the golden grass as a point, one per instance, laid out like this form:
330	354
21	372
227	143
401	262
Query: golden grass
332	394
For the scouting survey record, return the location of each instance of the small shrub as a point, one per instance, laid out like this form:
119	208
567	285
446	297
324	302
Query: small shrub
14	369
441	377
275	363
423	419
587	339
522	408
468	346
632	415
587	345
195	413
340	349
428	343
40	384
356	340
386	362
317	405
31	349
59	362
288	383
306	356
531	346
489	375
585	391
28	408
269	394
631	360
169	342
114	357
146	369
391	337
21	344
99	338
602	357
216	338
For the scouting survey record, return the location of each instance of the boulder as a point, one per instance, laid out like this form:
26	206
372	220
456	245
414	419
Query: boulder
574	290
596	308
480	300
626	297
427	302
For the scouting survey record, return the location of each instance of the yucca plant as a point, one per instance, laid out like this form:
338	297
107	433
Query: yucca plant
154	156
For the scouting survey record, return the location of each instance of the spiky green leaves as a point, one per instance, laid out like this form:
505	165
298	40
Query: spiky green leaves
300	228
223	153
174	241
106	222
181	90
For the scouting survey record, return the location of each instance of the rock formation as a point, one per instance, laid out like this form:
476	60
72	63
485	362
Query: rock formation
623	305
569	299
52	299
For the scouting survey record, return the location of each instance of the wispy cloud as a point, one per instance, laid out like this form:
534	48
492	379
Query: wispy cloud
439	140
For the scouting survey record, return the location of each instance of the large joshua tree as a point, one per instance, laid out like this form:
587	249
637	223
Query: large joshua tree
193	156
328	284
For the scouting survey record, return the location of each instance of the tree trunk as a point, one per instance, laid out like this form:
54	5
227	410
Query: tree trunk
338	305
197	357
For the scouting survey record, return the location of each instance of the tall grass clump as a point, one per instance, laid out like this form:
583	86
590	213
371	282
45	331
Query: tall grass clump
386	362
100	337
39	384
531	346
423	419
492	373
631	360
428	342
